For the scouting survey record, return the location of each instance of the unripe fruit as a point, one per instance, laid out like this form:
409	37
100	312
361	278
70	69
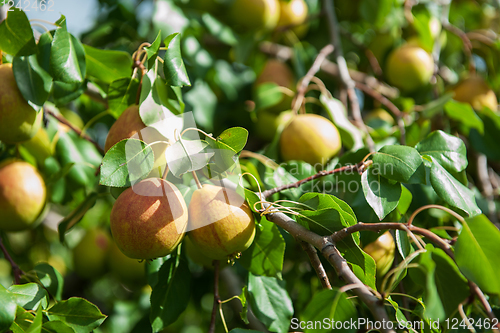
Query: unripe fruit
382	251
220	221
128	271
475	91
378	115
254	15
409	67
292	12
148	220
18	120
268	123
277	72
90	255
39	146
22	195
310	138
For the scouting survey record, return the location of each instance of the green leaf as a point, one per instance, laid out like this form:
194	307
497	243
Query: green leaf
463	113
152	51
434	309
81	173
29	296
126	162
70	220
173	66
51	279
121	94
36	325
32	80
67	56
17	35
380	194
7	309
267	94
487	143
400	163
476	253
187	155
219	30
328	307
234	137
56	326
451	285
107	65
351	136
451	190
270	302
266	255
244	305
204	104
78	313
448	150
170	296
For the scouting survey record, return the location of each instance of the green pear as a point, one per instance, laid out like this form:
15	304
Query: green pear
382	251
310	138
22	195
131	272
409	67
90	255
149	219
254	15
220	222
18	120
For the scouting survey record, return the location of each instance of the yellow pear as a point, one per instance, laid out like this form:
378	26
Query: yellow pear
22	195
409	67
148	220
18	120
292	12
220	222
475	91
310	138
254	15
382	251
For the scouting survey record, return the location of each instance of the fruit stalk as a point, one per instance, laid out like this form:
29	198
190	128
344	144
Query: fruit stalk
211	329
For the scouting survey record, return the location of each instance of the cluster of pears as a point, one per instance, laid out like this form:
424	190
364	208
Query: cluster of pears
22	189
150	219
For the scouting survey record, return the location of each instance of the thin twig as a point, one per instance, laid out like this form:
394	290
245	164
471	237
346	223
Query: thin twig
216	297
360	167
344	71
304	83
15	267
63	120
389	105
316	264
330	68
465	40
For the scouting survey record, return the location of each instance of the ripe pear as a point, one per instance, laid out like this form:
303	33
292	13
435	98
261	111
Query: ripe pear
409	67
310	138
129	125
277	72
18	120
131	272
475	91
149	219
220	222
382	251
268	123
254	15
22	195
90	255
292	12
197	255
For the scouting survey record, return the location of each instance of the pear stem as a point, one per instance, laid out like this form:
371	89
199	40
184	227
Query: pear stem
196	179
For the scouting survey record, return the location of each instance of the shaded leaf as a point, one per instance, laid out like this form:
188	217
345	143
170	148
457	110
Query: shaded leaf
400	163
51	279
380	194
463	113
448	150
29	296
121	94
32	80
187	155
70	220
152	51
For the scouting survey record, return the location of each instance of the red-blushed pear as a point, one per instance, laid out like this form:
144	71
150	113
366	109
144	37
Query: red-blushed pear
382	251
409	67
22	195
18	120
220	222
310	138
197	256
475	91
149	219
90	255
127	125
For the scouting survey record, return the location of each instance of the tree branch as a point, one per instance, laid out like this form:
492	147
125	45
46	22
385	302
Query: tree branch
62	120
316	264
15	267
211	329
344	71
